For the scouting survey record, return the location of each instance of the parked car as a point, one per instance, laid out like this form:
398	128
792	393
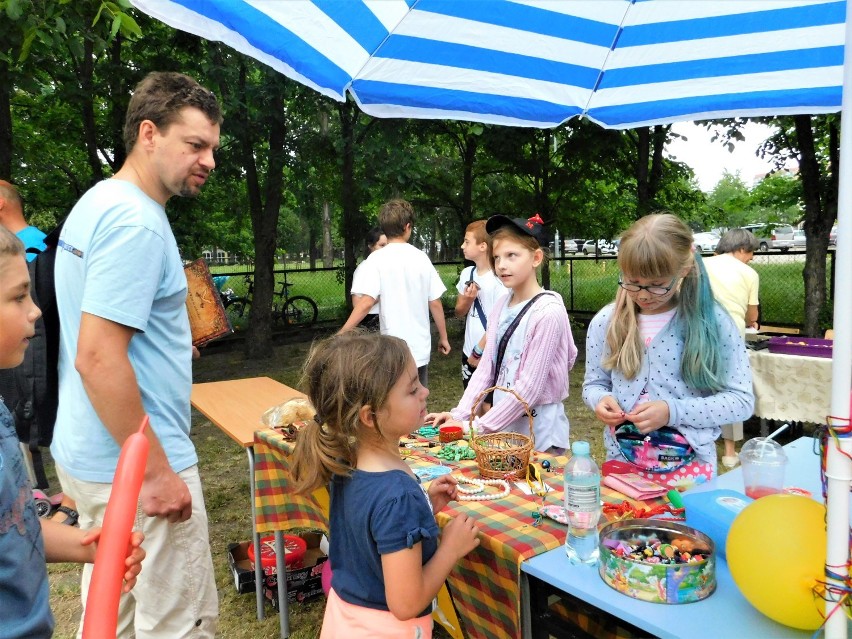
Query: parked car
772	236
706	242
799	239
605	247
574	245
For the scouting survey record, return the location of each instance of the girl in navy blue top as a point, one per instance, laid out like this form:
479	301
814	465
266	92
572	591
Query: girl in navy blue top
387	565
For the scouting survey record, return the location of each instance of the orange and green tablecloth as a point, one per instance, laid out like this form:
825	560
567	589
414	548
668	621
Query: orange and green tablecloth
486	583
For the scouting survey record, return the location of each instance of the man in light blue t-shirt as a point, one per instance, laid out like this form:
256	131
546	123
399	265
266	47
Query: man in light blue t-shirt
12	217
126	351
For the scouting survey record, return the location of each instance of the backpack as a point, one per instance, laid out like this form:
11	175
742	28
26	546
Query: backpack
31	390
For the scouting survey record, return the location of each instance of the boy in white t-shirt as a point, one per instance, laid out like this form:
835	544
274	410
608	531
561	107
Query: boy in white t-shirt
478	289
401	277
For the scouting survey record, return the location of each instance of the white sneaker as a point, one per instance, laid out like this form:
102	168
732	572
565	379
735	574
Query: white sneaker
730	461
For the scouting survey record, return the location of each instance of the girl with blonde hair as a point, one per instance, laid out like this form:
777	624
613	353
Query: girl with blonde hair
387	565
665	355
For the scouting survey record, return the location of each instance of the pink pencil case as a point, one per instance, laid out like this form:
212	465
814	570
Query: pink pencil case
635	486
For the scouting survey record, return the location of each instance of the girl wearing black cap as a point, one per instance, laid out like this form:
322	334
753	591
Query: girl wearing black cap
529	347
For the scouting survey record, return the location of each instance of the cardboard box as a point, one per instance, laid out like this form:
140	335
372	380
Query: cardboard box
303	584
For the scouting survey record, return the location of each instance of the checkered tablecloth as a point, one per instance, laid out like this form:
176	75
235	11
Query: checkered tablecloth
279	507
486	583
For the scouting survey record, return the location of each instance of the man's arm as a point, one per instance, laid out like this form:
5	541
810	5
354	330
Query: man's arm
110	382
359	312
437	310
751	316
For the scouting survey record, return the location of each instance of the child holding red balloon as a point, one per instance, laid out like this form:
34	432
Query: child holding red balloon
26	541
387	565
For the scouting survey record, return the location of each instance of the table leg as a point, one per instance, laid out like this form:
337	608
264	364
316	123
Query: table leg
281	574
255	539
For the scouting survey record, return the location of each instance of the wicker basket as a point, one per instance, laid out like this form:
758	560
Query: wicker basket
500	454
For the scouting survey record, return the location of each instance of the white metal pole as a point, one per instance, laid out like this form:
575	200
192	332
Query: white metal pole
839	467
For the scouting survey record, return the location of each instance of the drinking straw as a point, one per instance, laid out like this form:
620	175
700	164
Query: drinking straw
780	430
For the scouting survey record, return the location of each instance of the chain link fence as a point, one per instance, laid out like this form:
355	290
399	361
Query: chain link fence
585	283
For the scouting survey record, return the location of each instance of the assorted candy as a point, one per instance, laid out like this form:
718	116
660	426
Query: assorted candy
654	551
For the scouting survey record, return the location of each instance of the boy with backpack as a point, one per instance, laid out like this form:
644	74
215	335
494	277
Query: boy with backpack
478	289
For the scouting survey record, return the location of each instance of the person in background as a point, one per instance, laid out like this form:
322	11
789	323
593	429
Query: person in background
26	541
12	218
735	285
479	289
375	240
528	352
665	353
387	563
402	278
126	351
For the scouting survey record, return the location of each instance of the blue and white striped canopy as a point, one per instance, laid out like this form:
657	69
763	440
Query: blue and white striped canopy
621	63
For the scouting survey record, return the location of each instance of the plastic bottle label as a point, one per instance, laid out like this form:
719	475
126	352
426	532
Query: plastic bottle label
582	498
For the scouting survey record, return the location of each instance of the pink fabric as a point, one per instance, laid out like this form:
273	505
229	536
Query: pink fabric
346	621
549	353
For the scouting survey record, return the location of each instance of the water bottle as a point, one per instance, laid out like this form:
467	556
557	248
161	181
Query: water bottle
582	505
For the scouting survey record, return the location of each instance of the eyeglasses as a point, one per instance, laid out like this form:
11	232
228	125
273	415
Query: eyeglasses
653	290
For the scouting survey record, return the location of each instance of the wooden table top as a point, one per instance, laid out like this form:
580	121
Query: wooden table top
235	406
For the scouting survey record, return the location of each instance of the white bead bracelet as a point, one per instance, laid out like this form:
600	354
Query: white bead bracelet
478	491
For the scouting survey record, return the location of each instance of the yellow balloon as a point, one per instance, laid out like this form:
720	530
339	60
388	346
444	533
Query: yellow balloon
776	553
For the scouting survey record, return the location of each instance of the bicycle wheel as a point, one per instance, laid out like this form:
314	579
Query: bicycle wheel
299	311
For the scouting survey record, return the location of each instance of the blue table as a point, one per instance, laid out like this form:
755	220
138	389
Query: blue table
724	614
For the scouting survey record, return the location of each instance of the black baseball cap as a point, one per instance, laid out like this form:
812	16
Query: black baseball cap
534	226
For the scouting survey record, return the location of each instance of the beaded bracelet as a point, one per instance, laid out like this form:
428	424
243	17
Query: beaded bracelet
477	493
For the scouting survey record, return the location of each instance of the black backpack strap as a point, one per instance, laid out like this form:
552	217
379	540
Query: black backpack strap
504	341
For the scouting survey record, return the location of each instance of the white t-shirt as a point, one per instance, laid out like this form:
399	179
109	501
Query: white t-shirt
490	290
403	280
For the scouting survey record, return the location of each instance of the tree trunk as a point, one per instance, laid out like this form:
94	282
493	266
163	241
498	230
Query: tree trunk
327	247
819	217
118	100
5	121
468	158
264	216
643	149
352	231
90	129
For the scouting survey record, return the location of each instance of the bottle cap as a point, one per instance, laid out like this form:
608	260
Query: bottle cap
580	448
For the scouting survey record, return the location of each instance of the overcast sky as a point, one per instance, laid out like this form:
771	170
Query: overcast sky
710	160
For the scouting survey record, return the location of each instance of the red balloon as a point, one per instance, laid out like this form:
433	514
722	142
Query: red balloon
101	617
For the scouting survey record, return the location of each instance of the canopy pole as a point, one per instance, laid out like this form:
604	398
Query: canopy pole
839	466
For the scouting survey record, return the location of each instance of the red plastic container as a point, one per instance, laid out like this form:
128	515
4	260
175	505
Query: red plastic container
807	346
294	551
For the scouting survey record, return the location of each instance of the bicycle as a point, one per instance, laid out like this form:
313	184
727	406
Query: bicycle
235	305
296	310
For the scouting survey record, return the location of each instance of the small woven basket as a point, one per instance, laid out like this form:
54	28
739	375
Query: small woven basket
500	454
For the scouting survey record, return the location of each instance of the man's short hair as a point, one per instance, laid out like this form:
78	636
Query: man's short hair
393	217
477	228
160	97
9	191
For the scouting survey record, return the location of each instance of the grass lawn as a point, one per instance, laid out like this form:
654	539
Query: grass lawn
223	470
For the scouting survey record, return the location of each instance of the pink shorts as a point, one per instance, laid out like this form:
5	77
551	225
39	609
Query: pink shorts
347	621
